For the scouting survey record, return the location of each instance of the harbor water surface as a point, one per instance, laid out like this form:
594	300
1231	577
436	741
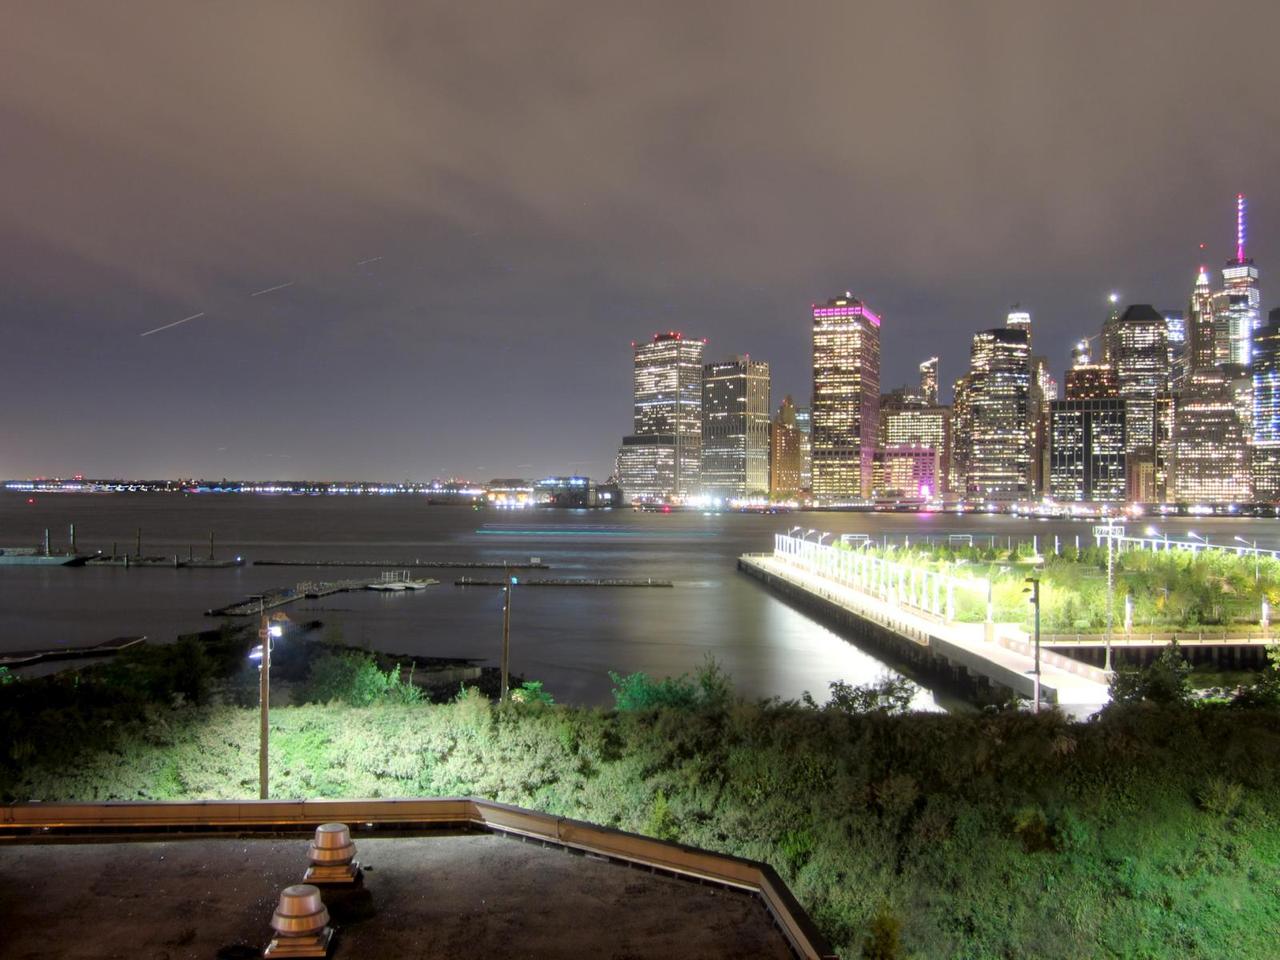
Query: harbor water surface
568	637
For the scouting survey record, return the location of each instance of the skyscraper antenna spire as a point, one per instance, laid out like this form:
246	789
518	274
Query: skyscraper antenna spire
1242	224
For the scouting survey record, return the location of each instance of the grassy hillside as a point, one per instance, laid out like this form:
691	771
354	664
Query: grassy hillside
1151	832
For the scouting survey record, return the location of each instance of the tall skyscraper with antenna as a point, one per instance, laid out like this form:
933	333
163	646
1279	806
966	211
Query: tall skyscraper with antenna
1238	305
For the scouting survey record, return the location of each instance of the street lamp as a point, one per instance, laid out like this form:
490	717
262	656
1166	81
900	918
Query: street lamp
792	531
267	631
1153	532
1196	536
506	637
823	537
1254	545
1034	590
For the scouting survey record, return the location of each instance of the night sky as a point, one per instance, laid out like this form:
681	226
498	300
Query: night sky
544	183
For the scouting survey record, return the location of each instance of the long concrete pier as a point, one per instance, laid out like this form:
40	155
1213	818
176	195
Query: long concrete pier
999	655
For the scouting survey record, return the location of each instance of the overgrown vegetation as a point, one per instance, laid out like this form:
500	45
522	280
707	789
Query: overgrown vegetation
1152	831
1169	590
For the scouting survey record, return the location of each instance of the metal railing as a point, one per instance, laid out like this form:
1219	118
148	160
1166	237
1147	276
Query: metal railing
906	585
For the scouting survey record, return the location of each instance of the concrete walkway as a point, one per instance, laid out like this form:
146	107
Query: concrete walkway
1008	663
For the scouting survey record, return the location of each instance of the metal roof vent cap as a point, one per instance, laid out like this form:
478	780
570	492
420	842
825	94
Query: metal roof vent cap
301	923
332	855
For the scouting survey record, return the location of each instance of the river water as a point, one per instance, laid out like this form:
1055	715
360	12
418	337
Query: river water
568	637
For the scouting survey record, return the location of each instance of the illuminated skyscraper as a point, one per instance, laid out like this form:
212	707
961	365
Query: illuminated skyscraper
1087	443
1238	305
1175	324
1210	445
929	381
995	400
1201	328
663	454
846	399
1135	346
1019	319
1266	409
804	423
909	428
735	428
785	454
961	437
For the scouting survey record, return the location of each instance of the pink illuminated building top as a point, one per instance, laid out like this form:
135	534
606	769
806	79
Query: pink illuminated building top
845	309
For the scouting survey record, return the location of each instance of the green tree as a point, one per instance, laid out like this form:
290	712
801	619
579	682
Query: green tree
1166	680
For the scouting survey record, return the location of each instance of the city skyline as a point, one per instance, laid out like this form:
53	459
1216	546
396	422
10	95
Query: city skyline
406	220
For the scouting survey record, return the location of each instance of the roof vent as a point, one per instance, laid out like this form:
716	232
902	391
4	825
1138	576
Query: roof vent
301	923
332	855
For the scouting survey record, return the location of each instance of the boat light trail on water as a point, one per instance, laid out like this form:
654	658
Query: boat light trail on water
194	316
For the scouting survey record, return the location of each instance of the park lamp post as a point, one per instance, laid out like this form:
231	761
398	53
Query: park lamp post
822	537
267	632
1196	536
1034	590
506	637
1254	545
1153	532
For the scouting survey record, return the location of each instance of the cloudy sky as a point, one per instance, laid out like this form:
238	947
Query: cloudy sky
479	206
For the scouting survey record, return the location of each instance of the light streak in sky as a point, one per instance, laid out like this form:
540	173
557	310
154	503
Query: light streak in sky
194	316
278	286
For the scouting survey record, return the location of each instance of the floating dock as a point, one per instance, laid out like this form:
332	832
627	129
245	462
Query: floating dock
108	648
411	564
273	599
565	582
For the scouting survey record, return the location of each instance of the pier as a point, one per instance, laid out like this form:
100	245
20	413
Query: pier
908	614
274	599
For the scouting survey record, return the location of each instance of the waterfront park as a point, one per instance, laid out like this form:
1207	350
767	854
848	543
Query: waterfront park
1109	583
1151	829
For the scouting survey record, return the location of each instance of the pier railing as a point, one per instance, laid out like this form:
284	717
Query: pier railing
926	591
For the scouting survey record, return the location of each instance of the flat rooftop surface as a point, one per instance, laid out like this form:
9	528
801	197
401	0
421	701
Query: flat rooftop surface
437	895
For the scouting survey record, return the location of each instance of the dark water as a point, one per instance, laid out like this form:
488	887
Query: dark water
567	637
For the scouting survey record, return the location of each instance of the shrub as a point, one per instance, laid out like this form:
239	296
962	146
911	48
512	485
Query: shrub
531	692
889	694
1220	797
354	678
884	937
661	823
710	688
1166	680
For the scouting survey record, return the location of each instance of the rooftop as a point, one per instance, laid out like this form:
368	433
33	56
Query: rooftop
440	891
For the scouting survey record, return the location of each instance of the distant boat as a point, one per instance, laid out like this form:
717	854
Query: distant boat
32	557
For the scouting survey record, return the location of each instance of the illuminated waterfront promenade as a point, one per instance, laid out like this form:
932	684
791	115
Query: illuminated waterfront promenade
917	608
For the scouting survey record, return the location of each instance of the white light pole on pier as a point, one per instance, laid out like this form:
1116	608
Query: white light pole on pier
1034	590
1254	545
